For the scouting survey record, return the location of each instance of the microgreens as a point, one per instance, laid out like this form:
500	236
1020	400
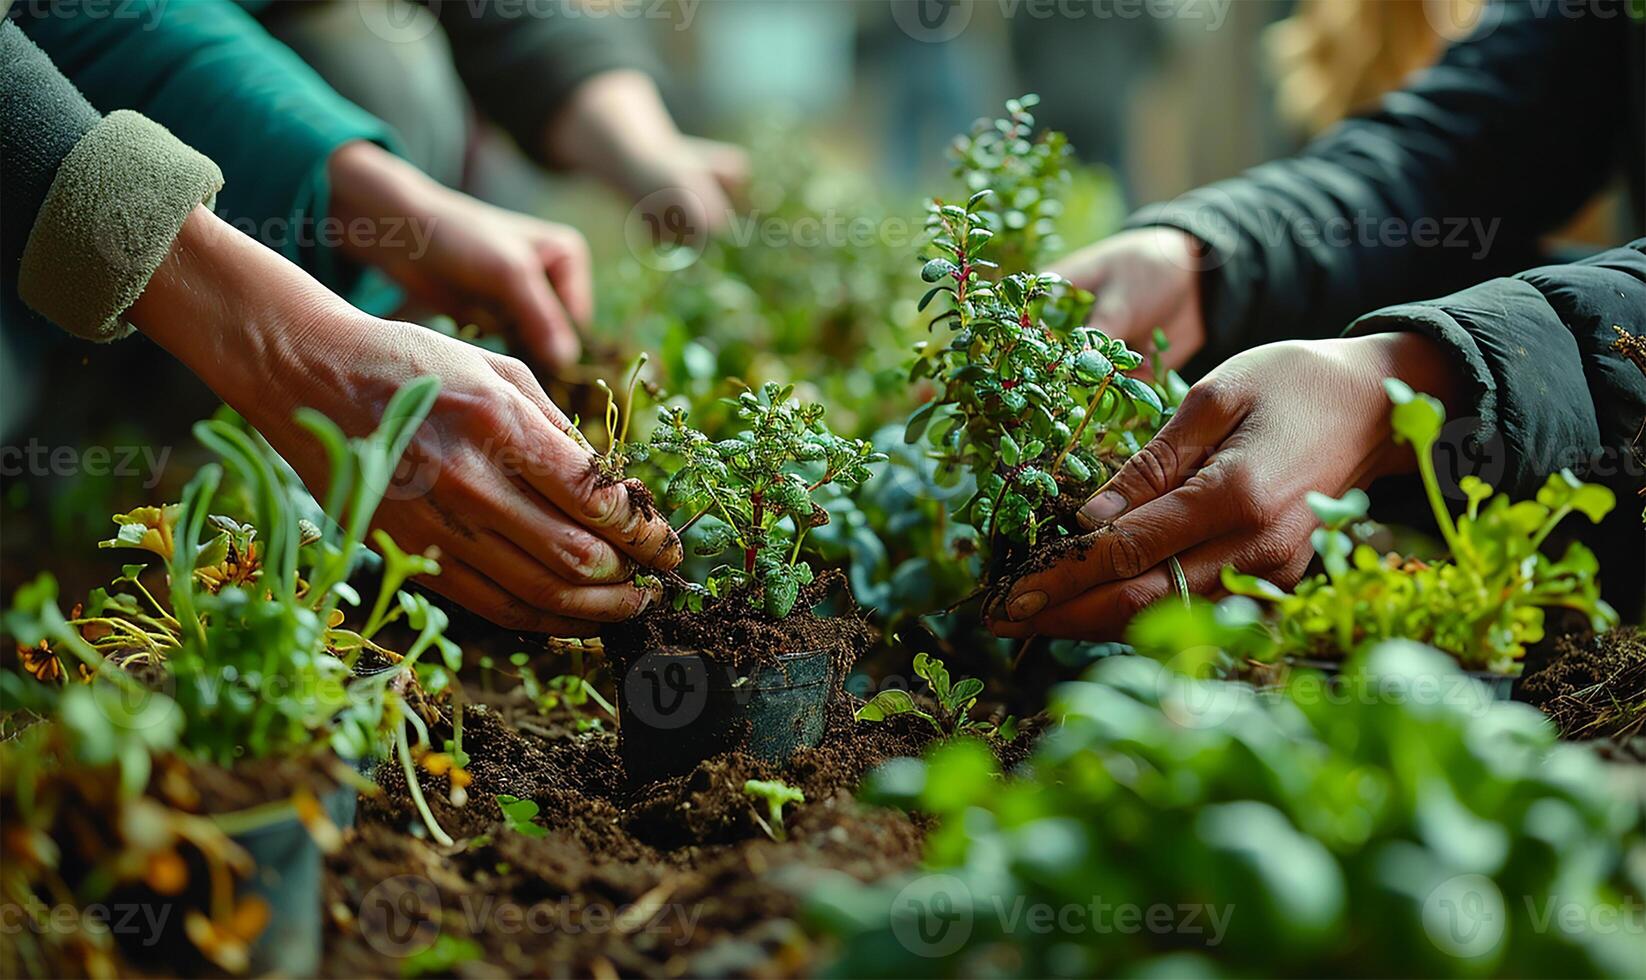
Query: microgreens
1483	606
955	700
777	794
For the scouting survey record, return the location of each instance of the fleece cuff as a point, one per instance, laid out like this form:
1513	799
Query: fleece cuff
114	208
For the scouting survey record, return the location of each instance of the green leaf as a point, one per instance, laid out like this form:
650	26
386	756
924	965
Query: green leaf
1091	367
519	814
1335	513
918	421
1417	418
884	705
937	269
1140	392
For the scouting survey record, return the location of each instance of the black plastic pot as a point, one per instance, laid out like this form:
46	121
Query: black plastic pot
678	707
288	878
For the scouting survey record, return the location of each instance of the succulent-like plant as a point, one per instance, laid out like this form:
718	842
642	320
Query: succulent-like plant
752	493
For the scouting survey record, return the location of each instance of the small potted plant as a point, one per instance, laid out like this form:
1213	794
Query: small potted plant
1032	405
254	669
740	660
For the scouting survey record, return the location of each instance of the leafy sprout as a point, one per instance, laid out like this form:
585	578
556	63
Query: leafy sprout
955	700
776	794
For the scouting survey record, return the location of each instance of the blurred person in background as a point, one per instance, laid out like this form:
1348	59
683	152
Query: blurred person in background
1444	190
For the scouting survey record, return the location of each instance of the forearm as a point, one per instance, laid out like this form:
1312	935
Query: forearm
235	314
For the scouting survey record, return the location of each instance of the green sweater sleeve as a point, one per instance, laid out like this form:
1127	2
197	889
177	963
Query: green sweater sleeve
91	204
210	73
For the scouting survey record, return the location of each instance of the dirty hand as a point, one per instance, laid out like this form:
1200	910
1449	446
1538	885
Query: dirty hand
1143	278
463	257
1224	483
528	536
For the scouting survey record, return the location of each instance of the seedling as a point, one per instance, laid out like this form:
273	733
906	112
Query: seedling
955	701
777	794
612	463
1034	405
752	494
520	816
1482	606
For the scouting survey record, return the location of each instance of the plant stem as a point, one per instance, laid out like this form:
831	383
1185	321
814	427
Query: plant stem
416	790
1074	439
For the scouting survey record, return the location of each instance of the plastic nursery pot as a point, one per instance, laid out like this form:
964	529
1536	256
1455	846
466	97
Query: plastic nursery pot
287	877
677	707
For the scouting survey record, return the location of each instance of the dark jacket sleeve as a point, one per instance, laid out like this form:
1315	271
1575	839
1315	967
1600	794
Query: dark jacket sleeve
1548	387
521	63
1450	181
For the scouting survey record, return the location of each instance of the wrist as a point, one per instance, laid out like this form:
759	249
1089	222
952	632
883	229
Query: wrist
236	314
1424	365
371	184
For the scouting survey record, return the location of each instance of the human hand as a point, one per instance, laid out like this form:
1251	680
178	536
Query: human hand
466	258
1142	279
615	127
1225	481
528	535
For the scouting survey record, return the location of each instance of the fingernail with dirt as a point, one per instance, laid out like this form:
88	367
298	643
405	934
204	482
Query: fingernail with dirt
1101	509
1021	607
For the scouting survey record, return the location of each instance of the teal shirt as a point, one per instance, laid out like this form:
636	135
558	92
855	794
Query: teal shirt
211	74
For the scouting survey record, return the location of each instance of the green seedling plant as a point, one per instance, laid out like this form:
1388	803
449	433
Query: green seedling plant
776	794
955	700
255	655
1030	402
1312	835
520	816
1483	605
752	494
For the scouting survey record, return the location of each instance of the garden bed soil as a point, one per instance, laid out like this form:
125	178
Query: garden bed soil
1594	685
670	878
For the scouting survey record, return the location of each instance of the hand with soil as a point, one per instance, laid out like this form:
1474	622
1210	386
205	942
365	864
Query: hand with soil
1143	279
529	535
1225	481
478	263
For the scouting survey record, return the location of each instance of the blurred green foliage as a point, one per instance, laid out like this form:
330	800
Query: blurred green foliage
1398	822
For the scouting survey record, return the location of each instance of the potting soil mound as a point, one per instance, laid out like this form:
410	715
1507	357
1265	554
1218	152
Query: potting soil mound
673	878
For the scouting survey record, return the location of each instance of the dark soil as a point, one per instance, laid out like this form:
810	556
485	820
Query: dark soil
736	632
1594	685
672	878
